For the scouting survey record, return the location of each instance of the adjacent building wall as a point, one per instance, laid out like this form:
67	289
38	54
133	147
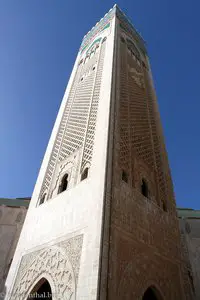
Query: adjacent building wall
12	215
189	220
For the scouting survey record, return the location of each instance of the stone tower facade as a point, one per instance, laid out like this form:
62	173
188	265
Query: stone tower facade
102	221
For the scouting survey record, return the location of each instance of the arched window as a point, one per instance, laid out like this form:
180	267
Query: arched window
63	184
151	294
42	199
84	175
164	206
42	290
124	176
144	188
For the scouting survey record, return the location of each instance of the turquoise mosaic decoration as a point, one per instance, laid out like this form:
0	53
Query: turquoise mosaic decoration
96	41
104	23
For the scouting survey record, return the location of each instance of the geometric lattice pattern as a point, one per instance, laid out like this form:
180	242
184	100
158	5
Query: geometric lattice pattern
89	141
138	125
77	127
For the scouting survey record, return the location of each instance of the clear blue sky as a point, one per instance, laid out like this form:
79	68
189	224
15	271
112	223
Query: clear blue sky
39	42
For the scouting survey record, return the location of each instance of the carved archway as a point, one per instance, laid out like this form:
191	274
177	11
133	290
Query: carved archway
41	290
135	280
152	294
53	265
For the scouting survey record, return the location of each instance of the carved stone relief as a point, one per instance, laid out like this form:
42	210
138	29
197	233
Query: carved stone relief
59	263
138	268
69	165
137	76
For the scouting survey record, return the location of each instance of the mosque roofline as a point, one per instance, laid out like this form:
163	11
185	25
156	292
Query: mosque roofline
18	202
188	213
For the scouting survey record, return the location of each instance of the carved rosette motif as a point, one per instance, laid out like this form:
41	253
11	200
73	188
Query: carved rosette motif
59	264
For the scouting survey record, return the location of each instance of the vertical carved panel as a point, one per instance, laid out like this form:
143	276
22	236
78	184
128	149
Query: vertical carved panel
144	235
139	124
89	141
77	127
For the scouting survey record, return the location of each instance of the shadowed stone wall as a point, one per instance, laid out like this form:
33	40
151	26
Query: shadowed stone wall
189	221
12	215
144	238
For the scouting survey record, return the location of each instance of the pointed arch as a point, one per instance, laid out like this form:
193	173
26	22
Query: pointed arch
84	174
41	290
63	184
152	293
144	188
38	267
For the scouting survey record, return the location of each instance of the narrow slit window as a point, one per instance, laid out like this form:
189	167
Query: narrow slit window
84	175
124	176
164	206
144	188
64	184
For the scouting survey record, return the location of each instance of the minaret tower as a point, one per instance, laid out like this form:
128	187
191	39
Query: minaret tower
102	220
